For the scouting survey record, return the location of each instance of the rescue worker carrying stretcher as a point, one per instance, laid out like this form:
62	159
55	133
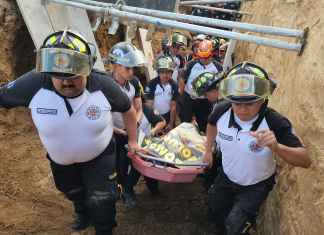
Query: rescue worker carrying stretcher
248	134
193	105
123	57
207	84
150	124
71	106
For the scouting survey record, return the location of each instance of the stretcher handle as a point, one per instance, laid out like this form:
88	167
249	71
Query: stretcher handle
165	161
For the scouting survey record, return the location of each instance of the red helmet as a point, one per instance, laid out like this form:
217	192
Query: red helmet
205	49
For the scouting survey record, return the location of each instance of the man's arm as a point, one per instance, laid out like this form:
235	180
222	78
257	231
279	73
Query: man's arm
211	130
296	156
173	106
156	121
129	118
282	140
120	103
211	133
158	127
173	114
120	131
20	91
181	80
137	103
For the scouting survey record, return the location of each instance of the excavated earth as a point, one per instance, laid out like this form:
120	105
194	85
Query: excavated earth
30	204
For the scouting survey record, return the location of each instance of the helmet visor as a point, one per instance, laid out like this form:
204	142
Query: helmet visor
245	88
179	39
202	83
133	58
164	64
62	61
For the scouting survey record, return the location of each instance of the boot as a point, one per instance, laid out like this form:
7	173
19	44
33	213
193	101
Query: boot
81	222
153	186
129	199
106	232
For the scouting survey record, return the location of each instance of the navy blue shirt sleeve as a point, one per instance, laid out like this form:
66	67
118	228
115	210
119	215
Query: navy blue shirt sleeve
118	100
150	89
188	70
282	129
175	91
138	87
21	91
219	109
151	116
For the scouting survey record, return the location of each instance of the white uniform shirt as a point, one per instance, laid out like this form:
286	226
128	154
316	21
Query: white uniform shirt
161	94
85	134
193	71
132	90
71	130
175	73
243	161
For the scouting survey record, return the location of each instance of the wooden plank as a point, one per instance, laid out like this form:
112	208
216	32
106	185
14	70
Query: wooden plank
227	64
36	19
76	19
42	20
148	52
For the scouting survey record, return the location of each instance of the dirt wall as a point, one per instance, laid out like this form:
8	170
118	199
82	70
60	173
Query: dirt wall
296	206
29	203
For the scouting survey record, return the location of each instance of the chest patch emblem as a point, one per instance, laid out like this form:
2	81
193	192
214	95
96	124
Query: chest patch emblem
254	147
93	112
47	111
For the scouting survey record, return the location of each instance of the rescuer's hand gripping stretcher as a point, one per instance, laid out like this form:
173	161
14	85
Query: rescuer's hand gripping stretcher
175	157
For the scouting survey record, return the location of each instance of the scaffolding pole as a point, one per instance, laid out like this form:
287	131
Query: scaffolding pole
110	11
202	20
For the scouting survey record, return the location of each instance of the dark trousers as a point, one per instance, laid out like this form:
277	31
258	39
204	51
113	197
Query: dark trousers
151	184
127	175
210	174
200	108
92	188
235	207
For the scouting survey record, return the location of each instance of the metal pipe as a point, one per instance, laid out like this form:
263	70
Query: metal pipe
220	9
203	2
185	26
203	20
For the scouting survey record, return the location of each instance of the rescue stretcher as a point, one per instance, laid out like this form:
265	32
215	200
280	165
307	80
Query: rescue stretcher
171	158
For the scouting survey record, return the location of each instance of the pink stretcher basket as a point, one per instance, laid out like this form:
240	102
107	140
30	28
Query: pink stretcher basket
165	173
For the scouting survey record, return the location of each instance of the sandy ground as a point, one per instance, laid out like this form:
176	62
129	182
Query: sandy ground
29	203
